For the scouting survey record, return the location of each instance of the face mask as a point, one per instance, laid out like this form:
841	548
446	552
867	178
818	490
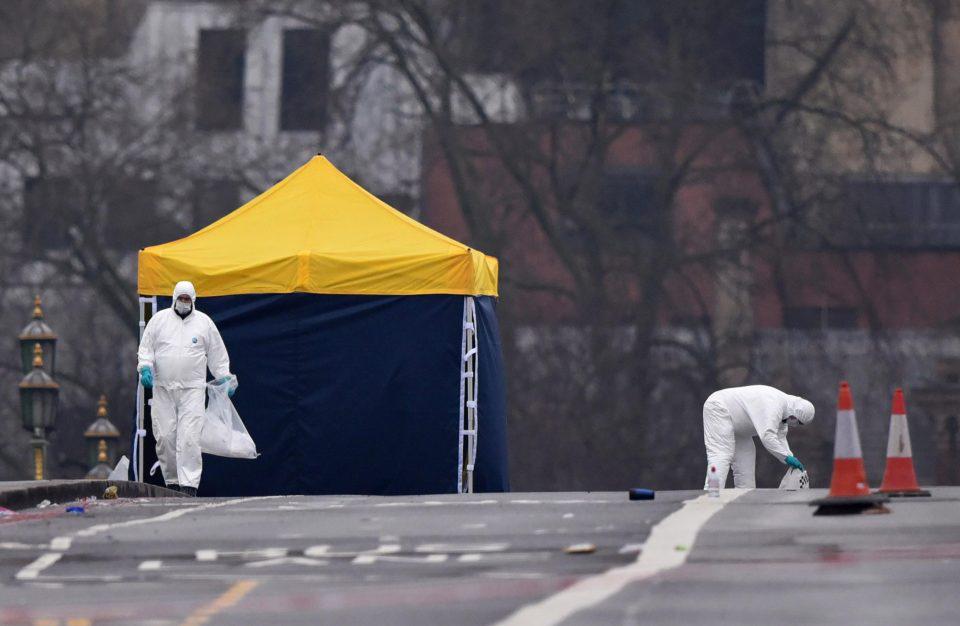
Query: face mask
183	307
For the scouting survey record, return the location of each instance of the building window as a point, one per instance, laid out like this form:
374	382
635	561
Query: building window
212	199
628	199
132	220
303	102
221	60
47	213
820	318
890	215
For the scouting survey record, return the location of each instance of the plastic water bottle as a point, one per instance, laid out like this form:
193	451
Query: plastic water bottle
713	483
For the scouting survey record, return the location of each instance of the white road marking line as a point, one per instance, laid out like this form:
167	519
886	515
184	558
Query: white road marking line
474	526
462	547
520	575
567	515
631	548
166	517
470	558
13	545
253	553
433	503
370	559
206	555
659	554
287	560
61	544
149	566
323	551
32	571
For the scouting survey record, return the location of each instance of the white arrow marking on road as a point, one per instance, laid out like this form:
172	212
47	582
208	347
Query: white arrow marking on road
462	547
323	551
149	566
369	559
659	553
287	560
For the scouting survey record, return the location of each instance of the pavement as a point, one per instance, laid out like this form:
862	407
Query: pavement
750	557
24	494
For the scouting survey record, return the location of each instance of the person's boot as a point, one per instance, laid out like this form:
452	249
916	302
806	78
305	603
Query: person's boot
190	492
173	486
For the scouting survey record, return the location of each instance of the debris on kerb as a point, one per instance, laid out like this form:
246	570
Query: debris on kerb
581	548
849	491
641	494
110	493
44	504
76	510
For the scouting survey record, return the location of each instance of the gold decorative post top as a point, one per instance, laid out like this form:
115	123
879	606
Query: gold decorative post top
102	406
37	311
102	451
37	355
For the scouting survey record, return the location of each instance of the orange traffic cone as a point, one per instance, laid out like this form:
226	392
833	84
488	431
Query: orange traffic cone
900	479
849	492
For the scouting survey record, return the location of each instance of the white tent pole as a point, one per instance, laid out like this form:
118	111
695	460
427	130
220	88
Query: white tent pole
461	425
471	357
141	433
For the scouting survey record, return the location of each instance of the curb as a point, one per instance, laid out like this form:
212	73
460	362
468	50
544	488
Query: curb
61	493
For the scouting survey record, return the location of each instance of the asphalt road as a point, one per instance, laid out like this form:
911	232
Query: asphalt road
758	557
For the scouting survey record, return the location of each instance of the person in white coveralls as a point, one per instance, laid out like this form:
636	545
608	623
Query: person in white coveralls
732	417
177	347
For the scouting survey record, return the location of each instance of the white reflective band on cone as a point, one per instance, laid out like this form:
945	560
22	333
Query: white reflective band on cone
847	444
898	445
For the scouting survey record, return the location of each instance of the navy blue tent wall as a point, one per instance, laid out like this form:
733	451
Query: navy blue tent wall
356	394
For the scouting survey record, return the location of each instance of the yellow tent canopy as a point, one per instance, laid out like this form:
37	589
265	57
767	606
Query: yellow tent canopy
317	231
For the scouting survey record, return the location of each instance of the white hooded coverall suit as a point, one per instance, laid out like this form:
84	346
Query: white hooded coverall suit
179	350
731	418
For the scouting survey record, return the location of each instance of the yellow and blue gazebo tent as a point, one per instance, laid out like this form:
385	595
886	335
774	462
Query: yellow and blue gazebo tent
365	343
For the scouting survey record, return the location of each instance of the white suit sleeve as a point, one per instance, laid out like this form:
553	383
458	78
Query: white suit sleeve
145	353
766	417
217	359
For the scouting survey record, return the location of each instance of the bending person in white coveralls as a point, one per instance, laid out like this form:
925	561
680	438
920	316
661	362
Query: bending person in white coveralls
178	345
732	417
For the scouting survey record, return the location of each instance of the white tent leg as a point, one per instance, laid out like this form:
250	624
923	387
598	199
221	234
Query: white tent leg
468	398
141	432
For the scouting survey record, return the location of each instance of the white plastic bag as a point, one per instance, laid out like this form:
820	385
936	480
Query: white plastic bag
223	432
794	479
120	471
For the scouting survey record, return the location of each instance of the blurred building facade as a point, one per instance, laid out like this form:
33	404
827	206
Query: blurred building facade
863	286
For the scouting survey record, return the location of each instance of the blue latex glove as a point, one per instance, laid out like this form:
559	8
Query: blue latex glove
232	389
793	461
146	378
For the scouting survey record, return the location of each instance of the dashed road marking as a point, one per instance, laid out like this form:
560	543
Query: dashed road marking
462	547
149	566
288	560
62	544
370	559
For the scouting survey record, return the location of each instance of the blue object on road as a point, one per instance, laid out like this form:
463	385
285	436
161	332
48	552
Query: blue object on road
793	461
146	377
76	510
641	494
